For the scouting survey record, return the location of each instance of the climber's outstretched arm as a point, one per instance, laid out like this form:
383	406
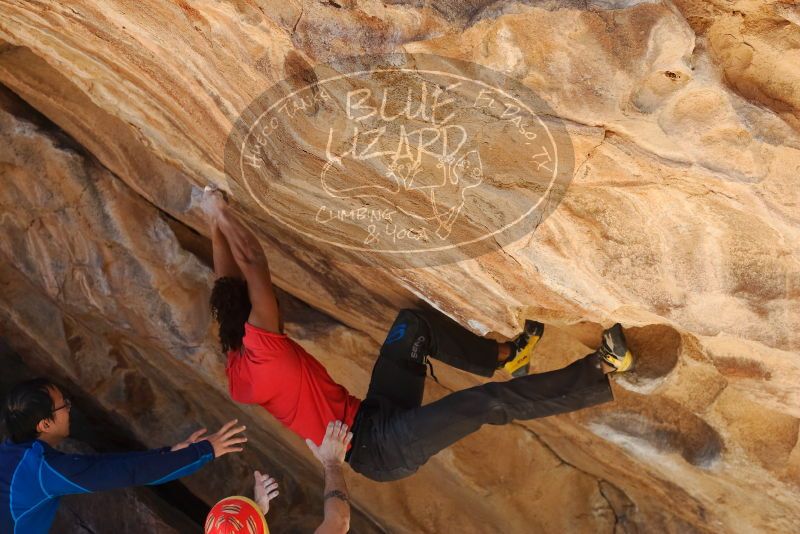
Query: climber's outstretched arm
224	263
251	261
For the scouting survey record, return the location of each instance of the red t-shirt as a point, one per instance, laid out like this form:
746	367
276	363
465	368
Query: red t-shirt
274	371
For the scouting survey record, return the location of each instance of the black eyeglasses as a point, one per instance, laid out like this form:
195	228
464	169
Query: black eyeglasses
67	404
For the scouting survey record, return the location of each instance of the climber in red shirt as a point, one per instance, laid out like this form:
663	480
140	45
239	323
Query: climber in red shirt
272	370
393	434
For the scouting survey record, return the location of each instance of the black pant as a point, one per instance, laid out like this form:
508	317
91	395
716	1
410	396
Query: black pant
394	435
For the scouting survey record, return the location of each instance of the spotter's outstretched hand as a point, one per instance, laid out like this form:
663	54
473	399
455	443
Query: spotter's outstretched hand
334	445
265	489
226	438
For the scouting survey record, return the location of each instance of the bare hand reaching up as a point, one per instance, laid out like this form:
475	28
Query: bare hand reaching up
265	489
226	438
334	445
223	441
331	453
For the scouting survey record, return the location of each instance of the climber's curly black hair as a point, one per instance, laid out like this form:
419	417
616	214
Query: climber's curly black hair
230	306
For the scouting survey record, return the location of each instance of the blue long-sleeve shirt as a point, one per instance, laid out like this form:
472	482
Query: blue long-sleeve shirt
33	476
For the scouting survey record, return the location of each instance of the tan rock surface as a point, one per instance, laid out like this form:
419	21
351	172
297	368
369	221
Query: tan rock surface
680	222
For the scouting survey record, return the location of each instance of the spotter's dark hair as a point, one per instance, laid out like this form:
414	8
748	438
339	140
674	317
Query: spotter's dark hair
26	404
230	307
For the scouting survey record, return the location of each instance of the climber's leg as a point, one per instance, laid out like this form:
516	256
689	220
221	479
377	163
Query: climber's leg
417	333
250	259
396	386
426	332
399	372
438	425
394	443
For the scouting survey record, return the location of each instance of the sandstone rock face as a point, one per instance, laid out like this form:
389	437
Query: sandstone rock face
674	213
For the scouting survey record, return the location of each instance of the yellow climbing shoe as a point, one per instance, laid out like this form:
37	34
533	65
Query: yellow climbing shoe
614	350
519	361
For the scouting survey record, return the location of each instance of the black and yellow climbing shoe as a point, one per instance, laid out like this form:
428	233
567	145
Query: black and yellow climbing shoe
614	350
519	361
